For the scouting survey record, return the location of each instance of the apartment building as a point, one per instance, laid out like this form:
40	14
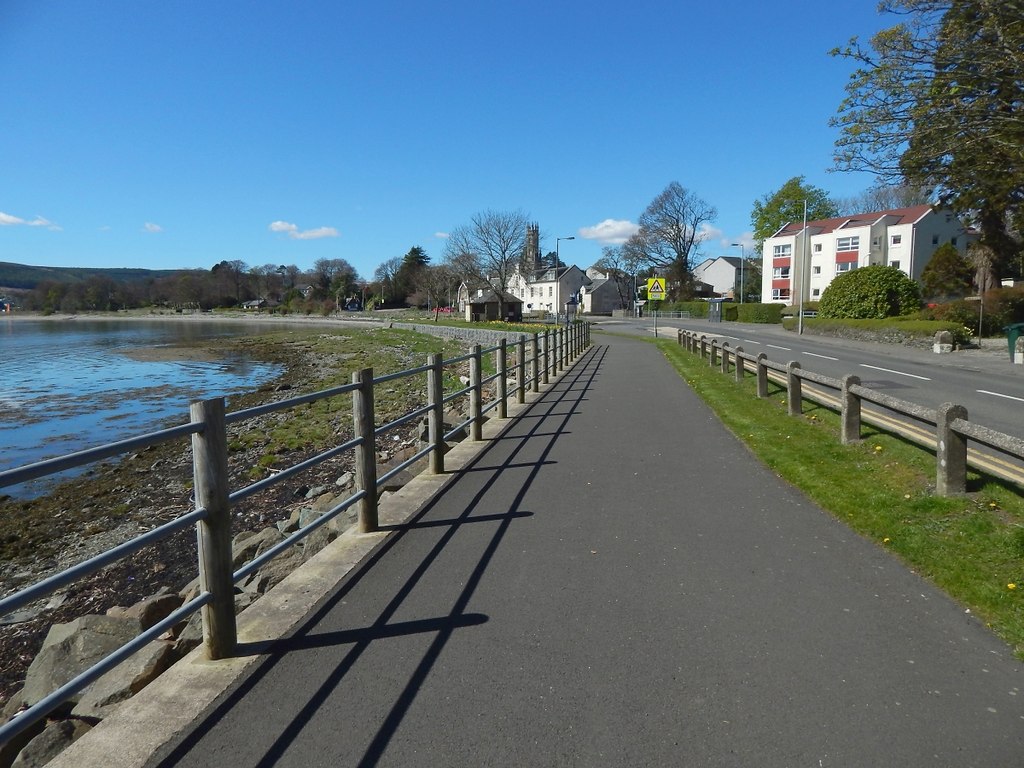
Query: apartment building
796	261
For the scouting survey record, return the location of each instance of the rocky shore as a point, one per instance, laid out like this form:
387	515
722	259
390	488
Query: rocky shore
117	501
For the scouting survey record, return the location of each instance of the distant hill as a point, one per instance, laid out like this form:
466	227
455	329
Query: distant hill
25	277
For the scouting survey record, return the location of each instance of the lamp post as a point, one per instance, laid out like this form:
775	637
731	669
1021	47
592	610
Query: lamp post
558	284
742	259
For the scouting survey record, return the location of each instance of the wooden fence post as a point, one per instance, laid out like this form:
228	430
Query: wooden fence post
762	376
213	534
703	346
502	366
849	416
794	392
725	357
476	398
738	358
713	360
521	369
435	418
546	368
366	452
534	364
950	451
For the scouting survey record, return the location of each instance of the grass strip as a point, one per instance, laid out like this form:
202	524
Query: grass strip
972	547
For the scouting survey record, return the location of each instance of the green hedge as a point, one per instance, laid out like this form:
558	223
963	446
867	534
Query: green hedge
889	329
759	313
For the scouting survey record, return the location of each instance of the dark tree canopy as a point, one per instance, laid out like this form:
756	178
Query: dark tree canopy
936	102
947	275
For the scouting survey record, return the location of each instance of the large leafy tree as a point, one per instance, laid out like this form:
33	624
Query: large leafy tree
488	249
671	230
776	209
870	292
936	101
947	275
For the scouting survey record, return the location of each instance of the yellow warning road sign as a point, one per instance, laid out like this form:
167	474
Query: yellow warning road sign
656	288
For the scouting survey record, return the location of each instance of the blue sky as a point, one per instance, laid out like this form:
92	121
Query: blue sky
179	134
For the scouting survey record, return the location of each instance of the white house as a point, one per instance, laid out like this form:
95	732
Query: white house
719	273
547	290
904	238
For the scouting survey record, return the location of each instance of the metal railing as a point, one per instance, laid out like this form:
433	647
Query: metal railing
950	428
536	360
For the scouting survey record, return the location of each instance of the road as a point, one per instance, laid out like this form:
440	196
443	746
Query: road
984	381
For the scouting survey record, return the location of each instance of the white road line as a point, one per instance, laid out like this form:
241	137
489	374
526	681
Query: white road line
750	341
826	357
898	373
999	394
776	346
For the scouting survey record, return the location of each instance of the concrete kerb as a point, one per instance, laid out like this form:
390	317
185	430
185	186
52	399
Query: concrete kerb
167	706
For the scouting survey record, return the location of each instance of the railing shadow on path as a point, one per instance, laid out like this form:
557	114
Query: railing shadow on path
569	391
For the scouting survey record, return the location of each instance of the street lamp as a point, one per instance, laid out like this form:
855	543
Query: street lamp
742	259
558	284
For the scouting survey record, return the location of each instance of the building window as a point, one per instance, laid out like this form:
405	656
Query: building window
896	239
817	247
895	264
780	273
782	251
953	240
815	270
844	266
847	244
780	294
816	292
531	292
550	290
935	239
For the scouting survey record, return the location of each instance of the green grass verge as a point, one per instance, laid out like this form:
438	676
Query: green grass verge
972	547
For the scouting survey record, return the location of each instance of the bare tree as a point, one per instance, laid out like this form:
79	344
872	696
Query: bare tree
488	249
671	231
620	269
885	197
439	283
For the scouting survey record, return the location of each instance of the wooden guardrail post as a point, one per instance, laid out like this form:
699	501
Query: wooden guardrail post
950	451
794	392
762	375
435	418
476	398
679	337
713	360
546	367
725	357
703	346
502	367
534	364
738	358
521	369
849	415
366	452
213	534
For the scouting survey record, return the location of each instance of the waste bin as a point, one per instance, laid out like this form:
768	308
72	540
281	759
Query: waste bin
1013	332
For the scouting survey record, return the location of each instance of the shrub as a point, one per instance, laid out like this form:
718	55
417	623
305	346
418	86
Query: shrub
759	313
870	292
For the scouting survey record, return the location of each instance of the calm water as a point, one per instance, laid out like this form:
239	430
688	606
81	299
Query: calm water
69	385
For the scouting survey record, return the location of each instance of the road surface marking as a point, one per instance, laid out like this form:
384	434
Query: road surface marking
898	373
999	394
750	341
812	354
775	346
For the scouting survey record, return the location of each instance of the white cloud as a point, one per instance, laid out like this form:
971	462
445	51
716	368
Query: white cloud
610	231
151	227
7	220
441	235
295	233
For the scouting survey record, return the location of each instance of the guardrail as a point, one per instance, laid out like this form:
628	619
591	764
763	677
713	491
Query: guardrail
951	429
535	361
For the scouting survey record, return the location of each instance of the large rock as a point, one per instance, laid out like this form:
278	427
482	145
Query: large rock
254	545
70	649
150	611
55	738
125	680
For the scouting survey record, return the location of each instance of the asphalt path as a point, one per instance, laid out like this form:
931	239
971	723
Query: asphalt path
616	581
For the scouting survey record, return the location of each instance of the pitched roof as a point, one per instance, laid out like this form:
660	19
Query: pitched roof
824	226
